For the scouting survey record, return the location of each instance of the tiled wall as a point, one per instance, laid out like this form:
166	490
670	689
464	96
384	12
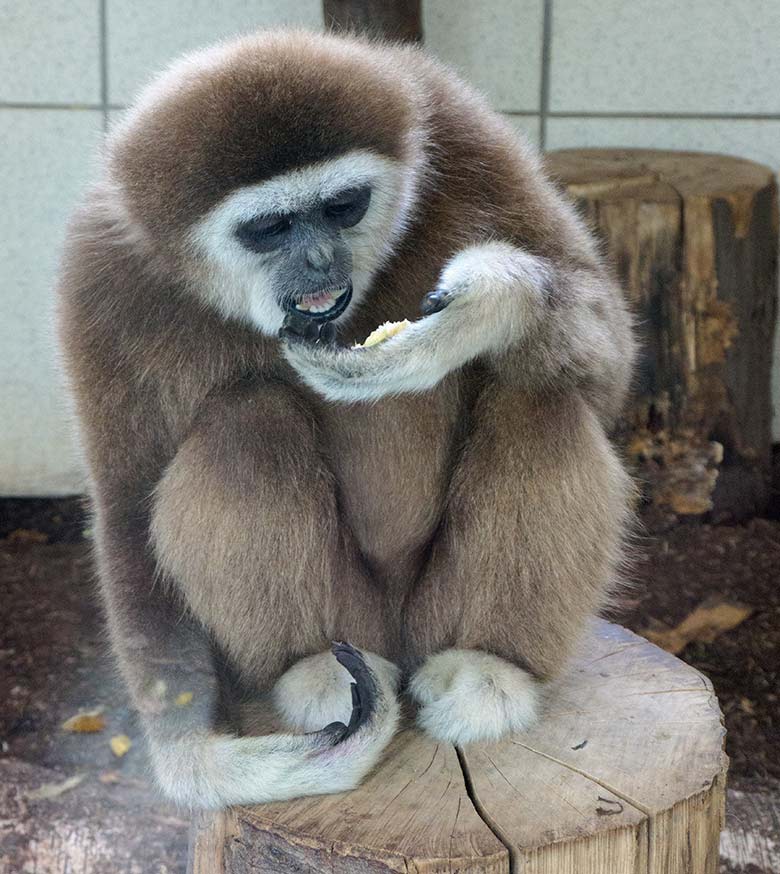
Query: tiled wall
699	74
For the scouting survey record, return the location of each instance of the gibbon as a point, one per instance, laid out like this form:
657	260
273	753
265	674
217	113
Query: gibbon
444	505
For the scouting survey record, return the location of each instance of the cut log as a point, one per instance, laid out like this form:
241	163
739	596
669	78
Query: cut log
694	240
625	773
398	20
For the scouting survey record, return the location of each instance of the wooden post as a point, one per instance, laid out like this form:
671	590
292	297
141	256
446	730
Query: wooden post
390	19
625	773
694	240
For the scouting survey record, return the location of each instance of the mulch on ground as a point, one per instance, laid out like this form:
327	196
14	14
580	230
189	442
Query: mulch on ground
54	662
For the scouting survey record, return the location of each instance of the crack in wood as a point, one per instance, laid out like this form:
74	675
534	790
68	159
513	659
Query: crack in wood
622	795
483	814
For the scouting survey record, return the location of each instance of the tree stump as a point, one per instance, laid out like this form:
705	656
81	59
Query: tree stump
694	240
624	774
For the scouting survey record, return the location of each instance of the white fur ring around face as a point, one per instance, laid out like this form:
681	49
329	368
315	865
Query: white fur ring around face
467	695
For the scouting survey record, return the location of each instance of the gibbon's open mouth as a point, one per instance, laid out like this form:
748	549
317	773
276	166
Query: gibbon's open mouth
323	306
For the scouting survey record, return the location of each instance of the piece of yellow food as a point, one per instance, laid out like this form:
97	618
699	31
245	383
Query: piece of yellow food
382	333
85	723
120	745
183	699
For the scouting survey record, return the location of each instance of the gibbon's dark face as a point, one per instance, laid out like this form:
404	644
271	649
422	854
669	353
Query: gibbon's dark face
309	256
306	243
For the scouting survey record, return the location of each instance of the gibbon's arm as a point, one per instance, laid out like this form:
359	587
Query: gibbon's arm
166	659
541	325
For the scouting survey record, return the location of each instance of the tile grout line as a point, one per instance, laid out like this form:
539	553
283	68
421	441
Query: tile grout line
544	83
102	12
520	113
681	116
13	104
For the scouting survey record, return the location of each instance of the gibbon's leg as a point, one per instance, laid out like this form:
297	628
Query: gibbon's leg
167	660
529	546
244	527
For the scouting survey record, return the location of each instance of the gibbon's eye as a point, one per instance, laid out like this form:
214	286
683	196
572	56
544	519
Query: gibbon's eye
348	208
265	233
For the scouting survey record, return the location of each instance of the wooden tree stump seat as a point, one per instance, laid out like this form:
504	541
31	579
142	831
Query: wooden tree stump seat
693	237
624	774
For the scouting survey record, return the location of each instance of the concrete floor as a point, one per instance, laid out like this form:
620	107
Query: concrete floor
53	663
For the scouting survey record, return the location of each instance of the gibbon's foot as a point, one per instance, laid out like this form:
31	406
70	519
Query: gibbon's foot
207	770
467	695
339	693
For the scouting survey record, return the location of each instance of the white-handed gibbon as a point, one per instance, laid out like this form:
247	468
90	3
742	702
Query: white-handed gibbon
446	501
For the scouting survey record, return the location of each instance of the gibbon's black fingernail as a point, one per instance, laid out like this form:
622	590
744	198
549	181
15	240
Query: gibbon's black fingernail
434	302
296	327
357	718
335	732
327	333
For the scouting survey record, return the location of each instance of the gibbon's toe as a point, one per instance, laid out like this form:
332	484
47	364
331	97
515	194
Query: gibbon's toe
468	695
321	690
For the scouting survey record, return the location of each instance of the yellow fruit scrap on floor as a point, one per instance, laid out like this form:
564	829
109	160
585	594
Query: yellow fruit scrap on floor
183	699
709	620
120	745
85	723
382	333
54	790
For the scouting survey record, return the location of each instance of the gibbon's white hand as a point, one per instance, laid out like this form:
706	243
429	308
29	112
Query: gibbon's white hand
487	299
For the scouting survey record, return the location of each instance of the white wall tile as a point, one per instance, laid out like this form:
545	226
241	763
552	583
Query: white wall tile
49	51
145	35
45	159
688	56
528	125
757	140
496	46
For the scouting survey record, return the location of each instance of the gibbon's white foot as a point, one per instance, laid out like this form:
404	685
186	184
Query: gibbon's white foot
488	297
210	770
316	691
466	695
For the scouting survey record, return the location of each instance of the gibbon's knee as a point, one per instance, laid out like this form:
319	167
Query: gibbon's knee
467	695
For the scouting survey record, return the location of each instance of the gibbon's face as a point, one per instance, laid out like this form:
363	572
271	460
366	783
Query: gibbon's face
306	241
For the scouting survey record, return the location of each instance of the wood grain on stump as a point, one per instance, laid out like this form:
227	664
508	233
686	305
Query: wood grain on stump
624	774
694	240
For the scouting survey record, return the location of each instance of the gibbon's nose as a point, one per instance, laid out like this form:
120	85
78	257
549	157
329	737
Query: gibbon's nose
320	257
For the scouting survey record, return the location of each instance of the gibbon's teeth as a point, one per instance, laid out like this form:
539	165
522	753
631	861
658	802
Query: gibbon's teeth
318	303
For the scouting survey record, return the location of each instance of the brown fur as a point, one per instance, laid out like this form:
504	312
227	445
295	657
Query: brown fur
487	513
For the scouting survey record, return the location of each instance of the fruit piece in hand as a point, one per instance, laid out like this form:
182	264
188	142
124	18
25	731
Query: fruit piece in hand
382	333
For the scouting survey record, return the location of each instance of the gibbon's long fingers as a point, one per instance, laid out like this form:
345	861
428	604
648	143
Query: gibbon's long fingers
364	690
489	297
410	362
217	771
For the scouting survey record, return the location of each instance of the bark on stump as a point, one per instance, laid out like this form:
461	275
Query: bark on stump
694	240
625	773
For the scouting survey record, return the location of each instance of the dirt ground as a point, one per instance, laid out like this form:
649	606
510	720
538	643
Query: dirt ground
54	662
